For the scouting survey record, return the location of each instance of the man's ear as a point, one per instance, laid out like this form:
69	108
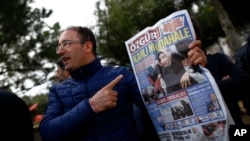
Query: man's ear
88	46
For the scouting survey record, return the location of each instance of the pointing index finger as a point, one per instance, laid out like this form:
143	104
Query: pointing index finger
112	84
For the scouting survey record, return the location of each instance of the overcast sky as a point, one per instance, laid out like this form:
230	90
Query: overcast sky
69	12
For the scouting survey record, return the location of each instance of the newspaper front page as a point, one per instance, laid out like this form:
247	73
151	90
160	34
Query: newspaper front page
183	101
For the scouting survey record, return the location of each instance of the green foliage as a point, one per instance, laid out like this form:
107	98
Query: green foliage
208	21
27	44
120	20
41	100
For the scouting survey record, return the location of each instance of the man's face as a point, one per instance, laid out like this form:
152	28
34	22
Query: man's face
213	97
73	55
60	74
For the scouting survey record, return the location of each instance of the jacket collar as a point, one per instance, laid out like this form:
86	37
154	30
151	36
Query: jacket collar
86	70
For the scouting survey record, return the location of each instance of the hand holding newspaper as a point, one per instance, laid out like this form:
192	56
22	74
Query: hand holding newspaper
182	100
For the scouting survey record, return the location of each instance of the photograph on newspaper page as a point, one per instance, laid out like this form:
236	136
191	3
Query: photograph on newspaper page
182	100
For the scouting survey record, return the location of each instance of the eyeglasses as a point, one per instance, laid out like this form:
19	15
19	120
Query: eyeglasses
67	43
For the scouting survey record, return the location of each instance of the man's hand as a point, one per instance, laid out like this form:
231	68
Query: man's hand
196	55
105	98
225	77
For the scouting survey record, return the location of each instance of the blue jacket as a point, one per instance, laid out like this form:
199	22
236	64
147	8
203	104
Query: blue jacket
69	116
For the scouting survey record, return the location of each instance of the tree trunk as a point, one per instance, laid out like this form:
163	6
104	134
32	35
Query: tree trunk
233	38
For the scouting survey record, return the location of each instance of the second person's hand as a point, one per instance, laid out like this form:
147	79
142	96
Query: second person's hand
196	55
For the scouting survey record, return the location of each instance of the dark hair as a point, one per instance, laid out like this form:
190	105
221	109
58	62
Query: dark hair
86	34
60	63
158	56
182	47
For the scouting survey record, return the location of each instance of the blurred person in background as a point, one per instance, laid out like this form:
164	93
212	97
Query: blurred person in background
242	59
61	73
228	76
